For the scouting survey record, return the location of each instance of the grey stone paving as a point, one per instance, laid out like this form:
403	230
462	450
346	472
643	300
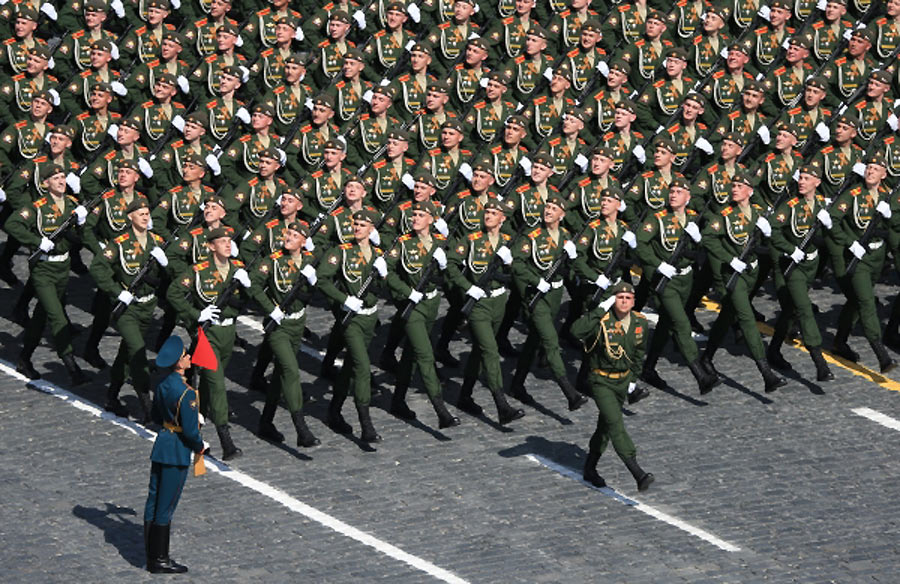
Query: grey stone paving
802	485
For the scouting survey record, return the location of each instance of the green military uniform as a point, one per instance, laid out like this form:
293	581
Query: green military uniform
346	98
241	161
383	51
468	208
384	179
544	114
449	41
837	165
648	194
289	102
784	87
306	148
144	43
527	72
177	209
221	113
777	170
22	141
16	94
201	35
584	200
504	161
367	136
827	36
251	201
321	190
487	119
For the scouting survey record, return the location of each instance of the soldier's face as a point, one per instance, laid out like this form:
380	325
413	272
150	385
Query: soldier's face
192	172
876	89
337	29
600	164
192	131
796	53
290	205
674	66
59	143
616	79
679	197
419	60
218	8
623	118
475	55
163	91
730	150
213	212
736	59
534	44
784	140
435	100
662	157
874	174
284	33
260	121
352	67
540	172
589	38
354	192
553	213
56	184
156	15
99	99
450	138
24	27
494	90
493	218
559	83
893	7
94	18
523	6
834	11
481	180
778	16
712	22
624	303
380	103
752	99
813	95
99	58
740	192
321	114
293	240
268	166
40	108
513	133
140	218
126	136
126	177
220	247
807	183
572	125
395	19
293	72
462	10
396	147
421	220
691	110
361	230
843	133
331	157
35	64
169	50
608	206
228	83
858	46
225	41
653	28
422	191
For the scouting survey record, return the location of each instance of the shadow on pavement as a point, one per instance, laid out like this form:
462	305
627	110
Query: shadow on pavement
119	529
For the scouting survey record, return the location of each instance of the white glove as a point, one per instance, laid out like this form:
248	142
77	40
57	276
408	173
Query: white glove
824	218
243	115
239	42
582	162
2	196
737	265
822	4
823	132
54	95
50	11
764	135
150	224
81	213
884	208
176	4
310	274
309	104
309	245
46	245
694	231
631	387
785	45
415	296
859	168
241	276
234	249
440	257
74	182
380	266
145	168
202	421
607	304
763	225
160	256
640	154
483	82
442	227
797	255
125	297
408	181
466	170
543	286
659	128
282	156
183	84
724	53
353	304
570	250
475	292
367	96
622	206
213	163
178	122
848	34
118	8
298	34
505	255
667	270
414	13
764	12
360	19
892	121
703	144
629	238
858	250
210	314
113	131
602	282
245	73
277	315
548	74
525	163
118	88
603	68
374	237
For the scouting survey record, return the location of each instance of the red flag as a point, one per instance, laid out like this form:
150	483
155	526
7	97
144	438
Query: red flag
204	356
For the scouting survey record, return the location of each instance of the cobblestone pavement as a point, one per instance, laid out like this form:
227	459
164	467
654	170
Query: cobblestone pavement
802	485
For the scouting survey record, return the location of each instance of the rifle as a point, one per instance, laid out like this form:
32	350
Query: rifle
367	283
71	220
751	243
868	234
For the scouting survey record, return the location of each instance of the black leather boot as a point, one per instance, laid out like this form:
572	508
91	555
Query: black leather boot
649	374
772	381
706	361
590	473
505	412
367	429
267	429
399	407
146	416
92	354
705	381
161	563
24	366
517	387
643	479
113	404
229	450
841	348
465	401
823	373
305	438
147	556
75	373
336	420
885	363
638	394
575	399
445	418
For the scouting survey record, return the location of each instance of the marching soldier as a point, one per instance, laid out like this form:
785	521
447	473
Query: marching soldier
688	132
849	71
168	167
465	78
566	147
567	28
444	162
338	227
289	97
830	29
771	37
371	131
94	124
144	43
778	167
348	89
76	96
615	341
412	86
206	78
874	109
385	175
646	54
222	110
809	116
659	103
192	247
252	201
508	34
261	30
273	59
103	174
726	84
200	35
708	42
24	139
387	46
331	51
241	161
306	149
838	159
887	30
715	181
74	53
785	84
746	119
17	92
649	193
489	114
16	49
585	196
141	84
324	186
532	64
451	36
181	203
623	140
601	106
546	110
160	111
426	132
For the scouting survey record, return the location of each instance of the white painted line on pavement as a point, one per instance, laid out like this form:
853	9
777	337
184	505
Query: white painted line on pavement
246	480
642	507
304	348
878	417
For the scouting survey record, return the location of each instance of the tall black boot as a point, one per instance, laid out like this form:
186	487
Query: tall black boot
367	429
582	380
328	370
24	366
75	373
517	387
891	336
161	563
841	347
305	438
505	412
229	450
146	416
336	420
705	381
445	418
575	399
643	479
388	359
885	363
706	361
112	400
649	374
590	473
823	373
267	429
772	381
465	401
399	407
258	376
147	556
19	313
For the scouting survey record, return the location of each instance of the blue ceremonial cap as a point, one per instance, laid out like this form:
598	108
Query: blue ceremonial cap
170	352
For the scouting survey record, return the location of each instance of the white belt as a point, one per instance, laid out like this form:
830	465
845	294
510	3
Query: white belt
684	271
144	299
433	293
226	322
557	284
295	315
812	255
497	292
873	245
54	258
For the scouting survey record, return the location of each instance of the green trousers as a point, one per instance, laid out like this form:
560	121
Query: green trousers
609	395
50	280
542	332
736	305
132	355
484	322
673	318
861	298
355	374
793	295
284	342
212	383
418	352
